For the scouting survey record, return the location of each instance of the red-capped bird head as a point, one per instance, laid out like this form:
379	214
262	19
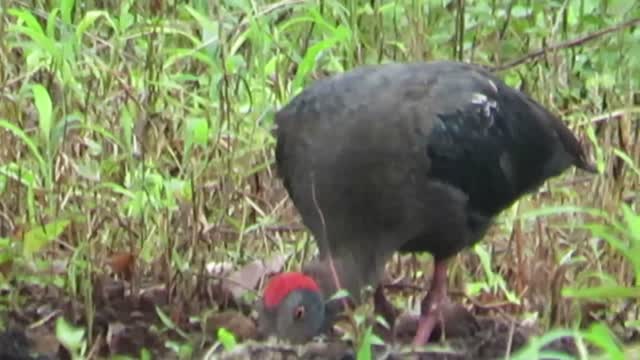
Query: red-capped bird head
292	308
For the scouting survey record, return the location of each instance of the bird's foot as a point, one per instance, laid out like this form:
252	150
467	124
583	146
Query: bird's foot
432	303
426	324
455	321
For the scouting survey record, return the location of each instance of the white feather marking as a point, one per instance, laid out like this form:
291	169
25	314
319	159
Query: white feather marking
489	106
478	98
493	86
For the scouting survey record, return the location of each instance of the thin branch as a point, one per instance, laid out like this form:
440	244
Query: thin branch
614	115
503	31
566	44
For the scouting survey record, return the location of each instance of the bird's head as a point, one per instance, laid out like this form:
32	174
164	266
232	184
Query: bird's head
292	308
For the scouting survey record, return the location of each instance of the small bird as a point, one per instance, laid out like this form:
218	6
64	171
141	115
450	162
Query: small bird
417	157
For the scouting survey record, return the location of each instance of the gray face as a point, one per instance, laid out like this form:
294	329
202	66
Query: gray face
300	316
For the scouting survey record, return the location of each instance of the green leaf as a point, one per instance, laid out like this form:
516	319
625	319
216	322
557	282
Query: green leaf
45	109
36	238
52	19
125	18
68	335
520	11
169	323
603	292
475	288
197	131
608	233
126	123
600	335
624	157
364	352
34	31
227	339
633	222
7	252
145	354
66	7
619	7
533	350
19	173
60	129
27	17
122	357
342	293
599	153
89	19
341	34
210	38
26	139
183	350
513	79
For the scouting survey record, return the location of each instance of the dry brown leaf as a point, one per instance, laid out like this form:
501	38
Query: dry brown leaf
455	322
122	263
130	338
248	277
154	296
178	314
6	267
237	323
107	290
43	341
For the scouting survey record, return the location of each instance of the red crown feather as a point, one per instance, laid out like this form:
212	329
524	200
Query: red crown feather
282	284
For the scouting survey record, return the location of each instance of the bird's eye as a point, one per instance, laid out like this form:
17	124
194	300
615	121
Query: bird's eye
298	313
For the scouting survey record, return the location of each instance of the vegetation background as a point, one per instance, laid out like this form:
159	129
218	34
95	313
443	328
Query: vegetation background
137	186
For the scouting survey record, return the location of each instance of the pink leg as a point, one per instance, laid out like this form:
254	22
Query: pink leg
430	307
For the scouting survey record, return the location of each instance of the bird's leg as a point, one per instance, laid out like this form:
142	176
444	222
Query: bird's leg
383	307
431	304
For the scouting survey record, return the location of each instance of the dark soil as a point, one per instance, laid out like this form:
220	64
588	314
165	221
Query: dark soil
123	324
493	340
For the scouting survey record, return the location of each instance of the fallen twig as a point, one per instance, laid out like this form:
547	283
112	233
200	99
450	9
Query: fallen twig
614	115
565	44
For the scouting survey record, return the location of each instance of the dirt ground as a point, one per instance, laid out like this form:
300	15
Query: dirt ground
123	324
490	338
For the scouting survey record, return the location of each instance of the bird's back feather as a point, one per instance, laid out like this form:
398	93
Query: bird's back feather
414	157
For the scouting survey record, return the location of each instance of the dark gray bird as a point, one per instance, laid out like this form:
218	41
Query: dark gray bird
412	158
